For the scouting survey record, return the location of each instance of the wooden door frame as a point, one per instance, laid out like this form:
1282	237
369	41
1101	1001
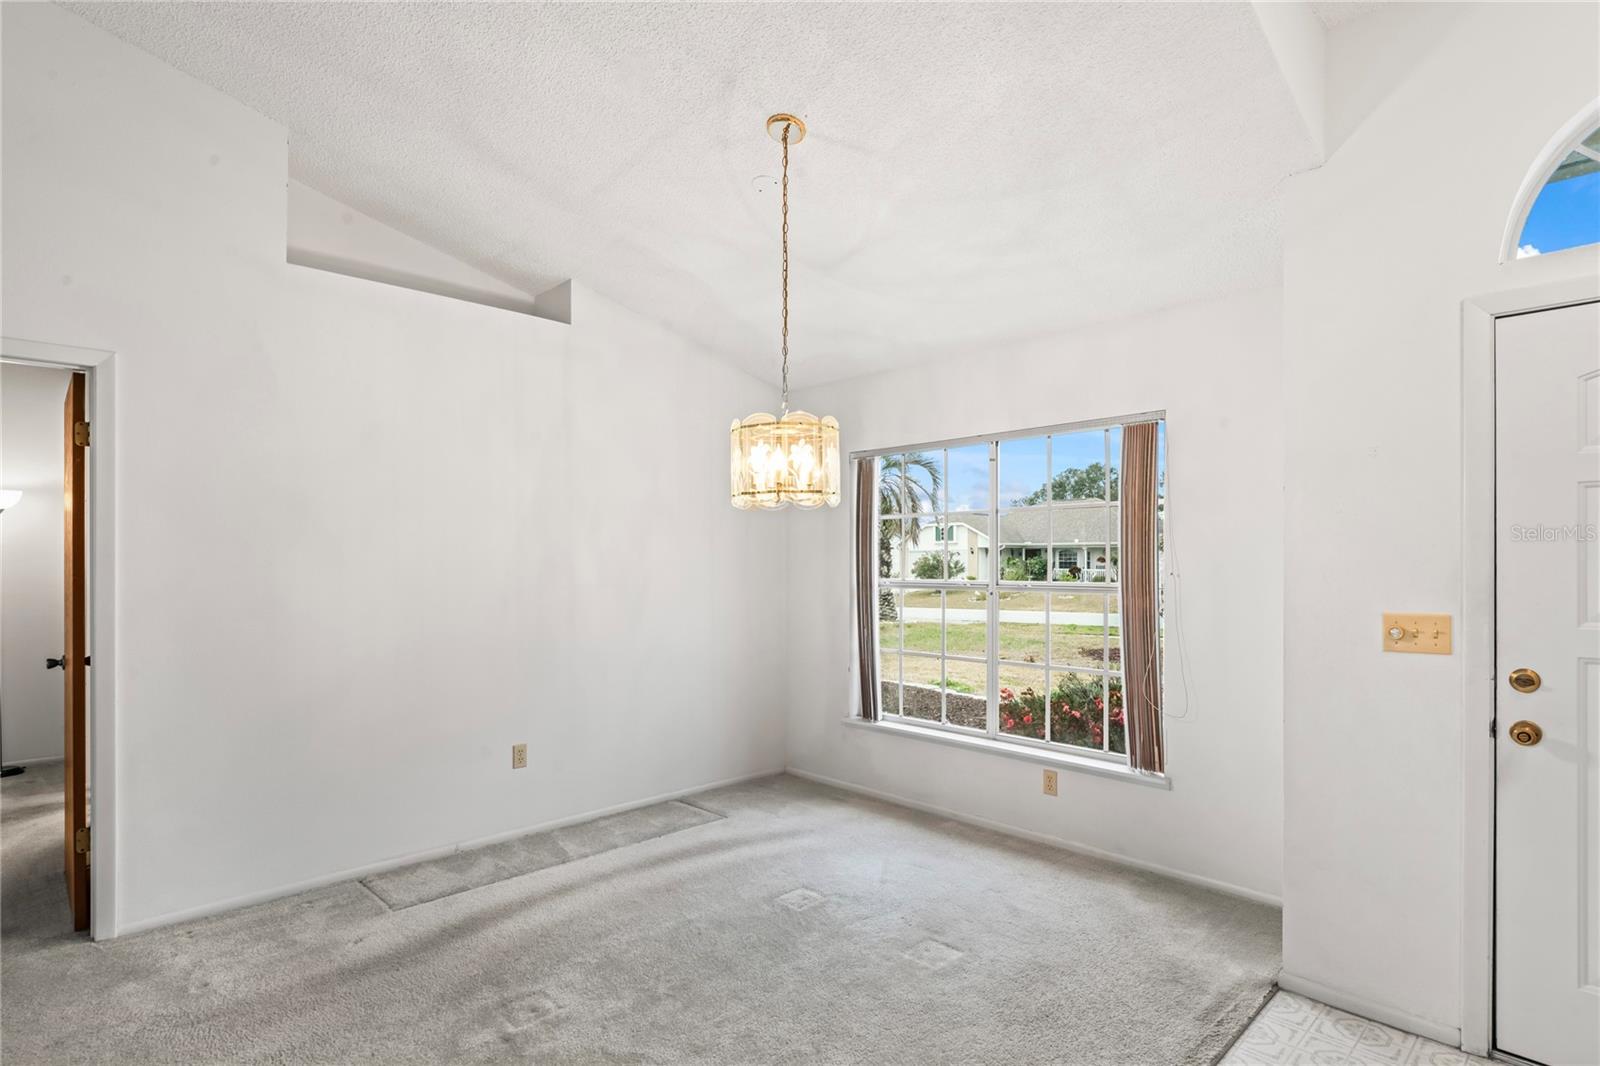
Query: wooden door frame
99	367
1477	635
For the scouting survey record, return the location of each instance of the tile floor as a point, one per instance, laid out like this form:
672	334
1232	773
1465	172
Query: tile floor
1294	1029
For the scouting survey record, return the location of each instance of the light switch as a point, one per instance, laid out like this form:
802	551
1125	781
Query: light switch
1419	634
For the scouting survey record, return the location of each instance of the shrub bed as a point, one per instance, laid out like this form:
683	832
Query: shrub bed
1075	711
922	701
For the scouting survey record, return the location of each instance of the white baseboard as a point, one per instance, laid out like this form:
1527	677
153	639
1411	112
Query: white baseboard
1366	1008
36	761
1042	838
357	872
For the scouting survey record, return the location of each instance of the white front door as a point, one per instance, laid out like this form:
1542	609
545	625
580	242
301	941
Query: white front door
1547	732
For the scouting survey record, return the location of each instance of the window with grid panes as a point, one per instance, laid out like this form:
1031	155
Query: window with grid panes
1023	647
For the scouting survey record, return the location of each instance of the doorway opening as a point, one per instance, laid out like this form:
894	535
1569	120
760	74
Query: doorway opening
47	574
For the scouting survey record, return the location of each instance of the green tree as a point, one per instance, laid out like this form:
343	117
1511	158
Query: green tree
1018	568
1074	483
909	485
927	567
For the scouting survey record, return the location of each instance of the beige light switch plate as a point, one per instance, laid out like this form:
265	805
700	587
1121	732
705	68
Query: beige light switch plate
1419	634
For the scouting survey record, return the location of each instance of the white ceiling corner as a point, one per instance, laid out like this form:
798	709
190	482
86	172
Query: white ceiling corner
974	174
1337	12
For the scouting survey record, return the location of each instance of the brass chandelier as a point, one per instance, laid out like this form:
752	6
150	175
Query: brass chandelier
794	458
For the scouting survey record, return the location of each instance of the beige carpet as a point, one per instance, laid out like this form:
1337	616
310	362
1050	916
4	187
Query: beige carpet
806	925
425	882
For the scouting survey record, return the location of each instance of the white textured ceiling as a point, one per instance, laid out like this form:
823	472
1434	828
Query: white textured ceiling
974	174
1337	12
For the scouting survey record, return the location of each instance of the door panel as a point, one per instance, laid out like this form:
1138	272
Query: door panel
75	654
1547	588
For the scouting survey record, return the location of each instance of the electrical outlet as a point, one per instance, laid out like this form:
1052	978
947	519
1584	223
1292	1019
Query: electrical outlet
519	756
1051	785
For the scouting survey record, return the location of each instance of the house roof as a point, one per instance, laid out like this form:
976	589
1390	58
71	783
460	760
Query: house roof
1069	525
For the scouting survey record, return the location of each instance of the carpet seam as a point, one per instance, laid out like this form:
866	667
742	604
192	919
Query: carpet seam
707	810
396	908
374	893
1272	990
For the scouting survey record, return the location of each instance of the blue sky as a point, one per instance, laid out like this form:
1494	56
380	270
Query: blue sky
1022	465
1022	462
1565	215
969	478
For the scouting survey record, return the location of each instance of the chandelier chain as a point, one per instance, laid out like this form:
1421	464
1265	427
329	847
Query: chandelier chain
786	127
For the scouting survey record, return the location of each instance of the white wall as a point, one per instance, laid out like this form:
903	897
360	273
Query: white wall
327	234
1437	111
31	561
1214	368
367	538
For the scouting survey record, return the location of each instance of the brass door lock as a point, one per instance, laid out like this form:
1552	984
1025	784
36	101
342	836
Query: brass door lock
1526	733
1524	680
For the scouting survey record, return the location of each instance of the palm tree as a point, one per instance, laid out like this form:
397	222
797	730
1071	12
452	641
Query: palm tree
909	485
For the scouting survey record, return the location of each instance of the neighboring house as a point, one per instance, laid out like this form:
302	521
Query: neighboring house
1083	541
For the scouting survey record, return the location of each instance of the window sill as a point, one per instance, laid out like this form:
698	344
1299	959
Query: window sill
1061	760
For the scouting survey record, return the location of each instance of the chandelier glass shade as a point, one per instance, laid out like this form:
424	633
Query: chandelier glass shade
792	458
782	461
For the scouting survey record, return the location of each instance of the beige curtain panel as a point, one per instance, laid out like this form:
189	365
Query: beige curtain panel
866	602
1141	644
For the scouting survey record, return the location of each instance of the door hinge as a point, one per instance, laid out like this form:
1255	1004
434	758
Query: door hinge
80	434
80	841
1492	731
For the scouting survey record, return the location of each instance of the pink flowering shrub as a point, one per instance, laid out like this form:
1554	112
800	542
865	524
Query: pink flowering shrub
1077	709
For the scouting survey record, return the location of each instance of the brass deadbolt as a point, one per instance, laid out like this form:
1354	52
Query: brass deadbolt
1526	733
1524	680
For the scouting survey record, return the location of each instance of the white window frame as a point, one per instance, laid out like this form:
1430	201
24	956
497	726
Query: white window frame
1567	139
991	735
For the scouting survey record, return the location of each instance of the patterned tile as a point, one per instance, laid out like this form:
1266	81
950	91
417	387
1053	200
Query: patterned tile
1292	1030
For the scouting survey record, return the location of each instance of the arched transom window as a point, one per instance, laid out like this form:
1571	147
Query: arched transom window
1559	207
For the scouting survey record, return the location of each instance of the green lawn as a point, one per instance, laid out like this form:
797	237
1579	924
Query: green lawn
1019	600
962	676
1020	641
972	677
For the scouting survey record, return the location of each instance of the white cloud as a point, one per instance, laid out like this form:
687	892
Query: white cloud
1526	251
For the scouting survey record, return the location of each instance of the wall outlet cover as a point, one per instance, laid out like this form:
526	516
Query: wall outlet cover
1052	783
519	756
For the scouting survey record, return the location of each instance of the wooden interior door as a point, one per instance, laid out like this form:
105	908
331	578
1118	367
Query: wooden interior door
75	654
